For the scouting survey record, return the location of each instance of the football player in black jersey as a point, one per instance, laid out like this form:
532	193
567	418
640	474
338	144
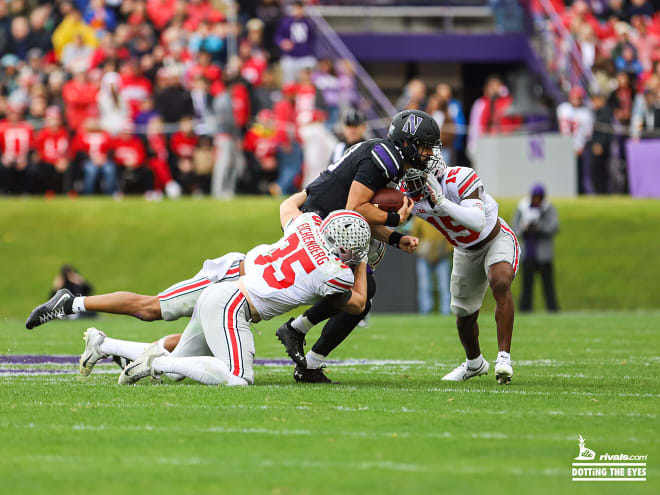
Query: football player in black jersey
413	141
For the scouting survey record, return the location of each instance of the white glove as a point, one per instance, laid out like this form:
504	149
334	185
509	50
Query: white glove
435	190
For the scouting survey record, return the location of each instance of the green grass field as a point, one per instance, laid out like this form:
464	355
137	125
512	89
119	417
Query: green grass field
391	427
603	249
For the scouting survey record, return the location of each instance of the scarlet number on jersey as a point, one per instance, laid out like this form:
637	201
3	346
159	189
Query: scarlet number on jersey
449	224
292	243
288	274
451	176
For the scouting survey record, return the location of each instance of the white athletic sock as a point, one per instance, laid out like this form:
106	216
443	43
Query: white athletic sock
475	363
314	360
302	324
504	356
78	304
204	369
123	348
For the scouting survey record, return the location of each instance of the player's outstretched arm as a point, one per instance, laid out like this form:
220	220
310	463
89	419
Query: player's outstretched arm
470	213
406	243
290	207
354	301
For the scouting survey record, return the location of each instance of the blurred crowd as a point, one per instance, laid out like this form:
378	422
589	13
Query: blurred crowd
164	97
492	113
619	42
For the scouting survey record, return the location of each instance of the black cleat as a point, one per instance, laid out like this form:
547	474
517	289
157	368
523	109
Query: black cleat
316	375
53	309
294	343
122	362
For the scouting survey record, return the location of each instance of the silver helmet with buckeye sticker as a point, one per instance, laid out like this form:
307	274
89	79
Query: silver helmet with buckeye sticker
346	235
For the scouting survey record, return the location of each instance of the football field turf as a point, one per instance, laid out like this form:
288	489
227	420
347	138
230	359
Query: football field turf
391	427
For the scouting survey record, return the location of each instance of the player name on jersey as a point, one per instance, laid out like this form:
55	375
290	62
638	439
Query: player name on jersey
311	243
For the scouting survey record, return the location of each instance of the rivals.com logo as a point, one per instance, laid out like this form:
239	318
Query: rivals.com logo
620	470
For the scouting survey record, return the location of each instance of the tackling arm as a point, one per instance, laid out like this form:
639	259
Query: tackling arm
290	207
354	301
470	213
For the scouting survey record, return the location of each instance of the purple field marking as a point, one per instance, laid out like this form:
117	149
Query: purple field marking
37	359
26	371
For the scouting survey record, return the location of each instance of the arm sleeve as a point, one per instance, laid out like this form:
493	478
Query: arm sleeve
338	282
470	213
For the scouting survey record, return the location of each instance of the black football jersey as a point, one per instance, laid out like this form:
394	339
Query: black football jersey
373	163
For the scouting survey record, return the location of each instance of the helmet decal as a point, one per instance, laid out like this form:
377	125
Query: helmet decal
412	124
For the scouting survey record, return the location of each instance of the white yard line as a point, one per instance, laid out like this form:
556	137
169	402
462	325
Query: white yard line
347	409
223	430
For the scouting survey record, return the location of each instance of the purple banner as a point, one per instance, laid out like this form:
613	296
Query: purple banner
438	47
644	168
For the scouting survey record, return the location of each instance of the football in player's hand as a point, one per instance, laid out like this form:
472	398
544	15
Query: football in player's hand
388	199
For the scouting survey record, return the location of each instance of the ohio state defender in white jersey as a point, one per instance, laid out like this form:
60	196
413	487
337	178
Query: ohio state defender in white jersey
454	201
311	261
459	183
297	270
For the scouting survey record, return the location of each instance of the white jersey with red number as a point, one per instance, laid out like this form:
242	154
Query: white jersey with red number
457	184
576	122
295	271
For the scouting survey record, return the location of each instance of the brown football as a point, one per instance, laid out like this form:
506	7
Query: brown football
388	199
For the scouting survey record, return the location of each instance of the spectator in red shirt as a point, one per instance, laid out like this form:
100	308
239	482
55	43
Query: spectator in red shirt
182	144
131	158
52	162
253	63
240	95
135	88
93	145
289	156
157	159
206	69
79	97
16	140
160	12
261	144
494	119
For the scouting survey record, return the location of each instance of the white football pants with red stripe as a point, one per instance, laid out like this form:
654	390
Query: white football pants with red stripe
219	328
179	299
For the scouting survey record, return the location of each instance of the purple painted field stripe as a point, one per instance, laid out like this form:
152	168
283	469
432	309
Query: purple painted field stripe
37	359
32	371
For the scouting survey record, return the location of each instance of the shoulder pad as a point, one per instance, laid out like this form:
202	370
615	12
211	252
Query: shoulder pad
387	159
